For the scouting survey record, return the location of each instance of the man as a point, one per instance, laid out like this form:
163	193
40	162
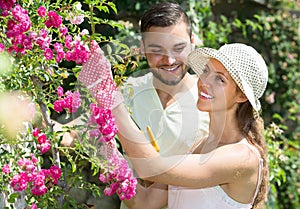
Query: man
165	98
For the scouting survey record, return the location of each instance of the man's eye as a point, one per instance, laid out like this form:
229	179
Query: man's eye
179	49
156	51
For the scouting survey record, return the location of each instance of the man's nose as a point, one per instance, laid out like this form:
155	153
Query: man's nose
169	58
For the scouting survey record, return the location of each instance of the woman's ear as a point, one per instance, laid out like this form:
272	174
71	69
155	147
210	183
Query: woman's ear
241	98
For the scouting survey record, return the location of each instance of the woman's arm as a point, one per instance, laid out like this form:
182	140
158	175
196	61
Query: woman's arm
152	197
225	164
131	137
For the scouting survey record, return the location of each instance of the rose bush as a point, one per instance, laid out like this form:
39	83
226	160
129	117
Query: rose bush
43	45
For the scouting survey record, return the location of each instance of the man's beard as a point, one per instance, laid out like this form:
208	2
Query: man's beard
170	82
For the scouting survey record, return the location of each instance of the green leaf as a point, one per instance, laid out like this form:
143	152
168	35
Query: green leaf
103	8
109	49
12	197
237	23
113	6
277	116
119	58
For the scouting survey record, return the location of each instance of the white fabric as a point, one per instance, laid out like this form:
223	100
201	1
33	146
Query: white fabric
208	198
175	128
211	197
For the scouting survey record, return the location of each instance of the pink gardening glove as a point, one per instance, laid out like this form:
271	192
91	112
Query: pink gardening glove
96	75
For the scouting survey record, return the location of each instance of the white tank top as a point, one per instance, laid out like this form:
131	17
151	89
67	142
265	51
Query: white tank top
211	197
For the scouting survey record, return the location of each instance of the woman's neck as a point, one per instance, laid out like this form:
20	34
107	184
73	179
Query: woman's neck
224	128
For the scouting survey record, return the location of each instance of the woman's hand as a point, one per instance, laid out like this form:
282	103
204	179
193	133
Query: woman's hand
96	75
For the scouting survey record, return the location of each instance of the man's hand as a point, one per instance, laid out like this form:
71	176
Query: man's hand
68	138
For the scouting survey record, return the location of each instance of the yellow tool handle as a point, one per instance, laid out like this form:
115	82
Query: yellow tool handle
153	141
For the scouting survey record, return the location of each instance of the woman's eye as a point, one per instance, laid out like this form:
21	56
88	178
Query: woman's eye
205	70
219	78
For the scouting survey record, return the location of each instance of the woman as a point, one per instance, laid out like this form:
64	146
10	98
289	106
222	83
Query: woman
228	169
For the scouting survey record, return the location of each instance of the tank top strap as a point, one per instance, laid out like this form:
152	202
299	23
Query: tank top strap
196	145
260	167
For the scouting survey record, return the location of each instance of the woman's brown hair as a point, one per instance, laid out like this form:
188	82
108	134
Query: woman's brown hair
252	127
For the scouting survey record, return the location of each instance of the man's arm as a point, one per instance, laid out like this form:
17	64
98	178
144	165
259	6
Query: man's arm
68	138
152	197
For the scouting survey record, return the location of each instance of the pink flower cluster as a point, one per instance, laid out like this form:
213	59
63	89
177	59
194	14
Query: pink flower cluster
16	29
43	143
1	48
22	39
53	20
6	5
6	169
118	175
105	123
74	17
78	52
30	176
70	101
33	206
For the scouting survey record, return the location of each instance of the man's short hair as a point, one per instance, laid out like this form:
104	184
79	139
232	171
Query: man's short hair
163	15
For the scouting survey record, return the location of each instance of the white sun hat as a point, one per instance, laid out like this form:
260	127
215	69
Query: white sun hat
245	65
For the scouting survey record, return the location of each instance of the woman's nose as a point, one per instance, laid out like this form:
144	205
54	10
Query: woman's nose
203	82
